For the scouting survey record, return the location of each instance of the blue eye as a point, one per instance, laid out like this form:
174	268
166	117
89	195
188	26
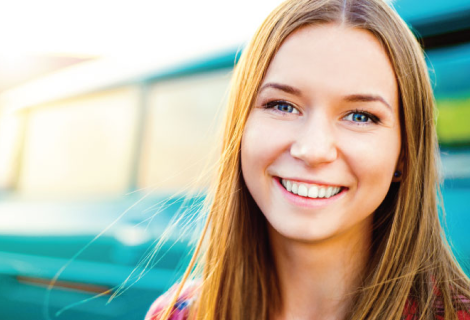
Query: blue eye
361	117
282	107
285	108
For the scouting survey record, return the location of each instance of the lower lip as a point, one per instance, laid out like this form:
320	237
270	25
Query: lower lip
309	202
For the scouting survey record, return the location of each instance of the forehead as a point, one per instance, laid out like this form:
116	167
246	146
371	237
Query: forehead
332	59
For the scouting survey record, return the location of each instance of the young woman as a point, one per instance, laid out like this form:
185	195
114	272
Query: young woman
325	202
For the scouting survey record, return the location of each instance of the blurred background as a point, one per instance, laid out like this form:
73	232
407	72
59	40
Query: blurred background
109	108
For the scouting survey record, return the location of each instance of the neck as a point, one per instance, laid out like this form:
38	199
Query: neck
318	280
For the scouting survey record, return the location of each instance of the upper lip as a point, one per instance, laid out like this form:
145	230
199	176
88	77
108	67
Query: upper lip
308	181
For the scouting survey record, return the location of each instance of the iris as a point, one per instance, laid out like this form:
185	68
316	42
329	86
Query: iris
360	117
284	107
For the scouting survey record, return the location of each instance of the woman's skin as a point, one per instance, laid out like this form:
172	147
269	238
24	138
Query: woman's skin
326	115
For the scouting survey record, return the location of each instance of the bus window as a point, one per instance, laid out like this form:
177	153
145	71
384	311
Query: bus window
183	118
80	147
11	136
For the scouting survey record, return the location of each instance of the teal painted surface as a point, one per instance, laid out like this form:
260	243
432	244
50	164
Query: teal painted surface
457	222
450	71
418	10
222	60
109	261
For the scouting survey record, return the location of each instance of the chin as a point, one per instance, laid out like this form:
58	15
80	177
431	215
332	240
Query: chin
316	232
301	232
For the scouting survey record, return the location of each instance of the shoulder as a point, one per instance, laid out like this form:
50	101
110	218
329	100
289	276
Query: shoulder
181	308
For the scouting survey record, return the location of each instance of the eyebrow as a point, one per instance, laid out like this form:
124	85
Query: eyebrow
367	98
349	98
282	87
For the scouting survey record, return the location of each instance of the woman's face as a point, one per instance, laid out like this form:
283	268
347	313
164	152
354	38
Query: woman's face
322	143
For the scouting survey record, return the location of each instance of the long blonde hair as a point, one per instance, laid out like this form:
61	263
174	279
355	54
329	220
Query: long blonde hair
410	259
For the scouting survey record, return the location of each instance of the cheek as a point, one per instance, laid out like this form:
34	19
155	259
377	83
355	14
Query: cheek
373	159
263	143
253	150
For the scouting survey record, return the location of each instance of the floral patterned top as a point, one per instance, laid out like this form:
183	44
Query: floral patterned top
181	308
189	295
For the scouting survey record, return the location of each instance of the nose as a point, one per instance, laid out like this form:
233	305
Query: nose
315	143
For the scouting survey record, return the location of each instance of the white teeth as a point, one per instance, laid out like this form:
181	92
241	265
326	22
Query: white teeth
313	192
289	186
294	188
302	190
329	191
310	191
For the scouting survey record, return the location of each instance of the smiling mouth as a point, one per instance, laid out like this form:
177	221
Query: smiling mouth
310	190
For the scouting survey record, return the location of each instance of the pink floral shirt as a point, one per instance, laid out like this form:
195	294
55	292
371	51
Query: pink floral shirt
180	308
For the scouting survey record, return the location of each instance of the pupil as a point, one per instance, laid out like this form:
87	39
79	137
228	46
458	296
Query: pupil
360	117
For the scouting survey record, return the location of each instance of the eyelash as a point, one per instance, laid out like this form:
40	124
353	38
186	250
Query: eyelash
272	104
373	118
